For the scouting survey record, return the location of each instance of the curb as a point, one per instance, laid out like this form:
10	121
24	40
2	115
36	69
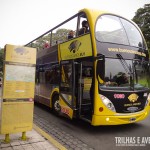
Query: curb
49	138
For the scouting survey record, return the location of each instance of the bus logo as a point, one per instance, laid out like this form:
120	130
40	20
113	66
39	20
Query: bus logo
133	97
21	51
74	46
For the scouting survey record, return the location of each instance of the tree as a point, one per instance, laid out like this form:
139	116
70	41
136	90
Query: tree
142	19
59	36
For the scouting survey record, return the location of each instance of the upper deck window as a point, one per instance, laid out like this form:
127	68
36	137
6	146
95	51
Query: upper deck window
134	36
113	29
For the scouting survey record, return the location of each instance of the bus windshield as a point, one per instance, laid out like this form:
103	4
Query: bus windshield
115	74
114	29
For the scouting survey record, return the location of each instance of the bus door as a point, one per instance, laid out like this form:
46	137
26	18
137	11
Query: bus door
84	89
67	88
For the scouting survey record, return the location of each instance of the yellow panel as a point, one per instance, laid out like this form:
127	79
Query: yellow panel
16	117
19	79
76	48
65	109
87	83
20	54
17	89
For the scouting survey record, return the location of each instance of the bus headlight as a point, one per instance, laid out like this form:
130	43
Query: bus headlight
107	103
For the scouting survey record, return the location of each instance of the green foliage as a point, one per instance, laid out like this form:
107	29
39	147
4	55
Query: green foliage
142	19
145	81
59	36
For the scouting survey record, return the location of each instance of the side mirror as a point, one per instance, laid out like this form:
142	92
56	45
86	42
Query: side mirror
100	70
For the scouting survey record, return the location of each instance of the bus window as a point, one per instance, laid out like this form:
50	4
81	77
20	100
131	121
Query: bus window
70	34
113	29
118	76
109	29
142	72
66	76
87	72
134	36
37	78
42	77
0	81
49	76
60	35
83	25
52	76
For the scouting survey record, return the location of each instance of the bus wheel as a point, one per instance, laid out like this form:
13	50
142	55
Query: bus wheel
55	105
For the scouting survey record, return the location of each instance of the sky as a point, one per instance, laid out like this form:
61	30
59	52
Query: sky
21	21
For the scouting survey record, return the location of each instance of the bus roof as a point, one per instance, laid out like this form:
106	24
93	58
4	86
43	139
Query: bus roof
94	13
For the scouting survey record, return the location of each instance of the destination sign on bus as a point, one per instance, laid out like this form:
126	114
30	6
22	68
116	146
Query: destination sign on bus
126	51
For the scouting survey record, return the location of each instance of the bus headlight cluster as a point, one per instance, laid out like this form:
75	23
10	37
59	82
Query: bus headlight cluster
107	103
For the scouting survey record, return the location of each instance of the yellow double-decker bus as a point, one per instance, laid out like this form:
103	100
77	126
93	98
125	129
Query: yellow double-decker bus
94	66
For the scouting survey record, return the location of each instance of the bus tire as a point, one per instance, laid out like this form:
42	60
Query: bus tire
55	104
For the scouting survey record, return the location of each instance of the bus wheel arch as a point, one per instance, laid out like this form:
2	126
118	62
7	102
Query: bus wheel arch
55	103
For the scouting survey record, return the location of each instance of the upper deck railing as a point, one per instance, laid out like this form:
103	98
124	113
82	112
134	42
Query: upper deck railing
51	37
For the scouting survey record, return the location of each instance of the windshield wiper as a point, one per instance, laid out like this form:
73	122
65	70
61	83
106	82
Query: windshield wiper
127	69
124	64
135	68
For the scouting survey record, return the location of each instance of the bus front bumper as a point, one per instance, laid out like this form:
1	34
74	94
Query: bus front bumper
119	119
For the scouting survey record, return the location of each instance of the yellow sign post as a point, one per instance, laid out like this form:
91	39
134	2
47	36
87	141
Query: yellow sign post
18	90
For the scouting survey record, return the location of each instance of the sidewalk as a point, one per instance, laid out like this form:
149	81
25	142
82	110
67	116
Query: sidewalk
37	140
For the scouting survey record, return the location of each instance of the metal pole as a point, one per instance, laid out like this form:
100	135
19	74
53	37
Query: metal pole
7	139
23	138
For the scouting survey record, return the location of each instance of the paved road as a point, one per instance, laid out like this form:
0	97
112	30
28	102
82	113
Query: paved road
78	134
